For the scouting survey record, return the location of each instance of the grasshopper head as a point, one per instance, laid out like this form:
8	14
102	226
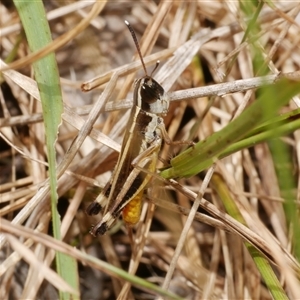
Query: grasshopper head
150	96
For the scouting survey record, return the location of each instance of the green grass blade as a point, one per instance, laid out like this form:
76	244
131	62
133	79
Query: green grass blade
286	176
285	126
201	156
259	259
38	35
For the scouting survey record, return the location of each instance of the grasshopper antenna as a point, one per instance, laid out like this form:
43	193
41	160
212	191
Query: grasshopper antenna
156	66
136	45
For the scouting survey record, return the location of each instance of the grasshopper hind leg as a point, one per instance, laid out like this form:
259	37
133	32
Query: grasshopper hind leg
101	201
103	226
93	209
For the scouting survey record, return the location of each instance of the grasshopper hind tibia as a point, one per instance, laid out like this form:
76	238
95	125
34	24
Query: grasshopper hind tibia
101	230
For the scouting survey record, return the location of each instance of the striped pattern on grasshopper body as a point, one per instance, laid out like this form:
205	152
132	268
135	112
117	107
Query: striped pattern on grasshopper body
140	148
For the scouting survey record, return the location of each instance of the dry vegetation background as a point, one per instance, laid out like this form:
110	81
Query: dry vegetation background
214	263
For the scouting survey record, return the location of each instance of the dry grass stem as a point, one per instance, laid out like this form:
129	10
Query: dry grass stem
199	237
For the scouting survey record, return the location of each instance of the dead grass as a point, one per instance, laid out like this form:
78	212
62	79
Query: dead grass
213	263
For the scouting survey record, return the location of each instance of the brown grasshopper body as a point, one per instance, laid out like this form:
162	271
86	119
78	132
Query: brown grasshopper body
141	145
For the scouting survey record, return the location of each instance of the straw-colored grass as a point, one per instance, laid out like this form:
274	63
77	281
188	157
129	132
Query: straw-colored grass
229	227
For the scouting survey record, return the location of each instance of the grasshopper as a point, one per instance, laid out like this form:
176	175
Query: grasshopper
141	145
